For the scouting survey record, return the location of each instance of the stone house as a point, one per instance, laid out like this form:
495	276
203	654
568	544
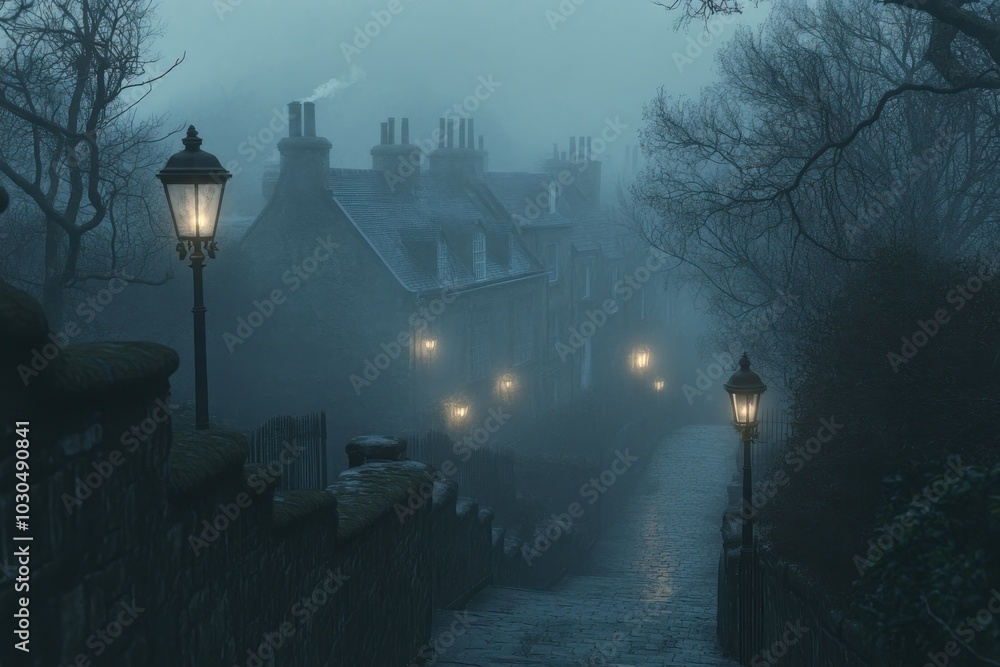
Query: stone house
430	291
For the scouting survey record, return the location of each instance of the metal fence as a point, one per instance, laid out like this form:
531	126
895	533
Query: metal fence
774	428
296	446
488	475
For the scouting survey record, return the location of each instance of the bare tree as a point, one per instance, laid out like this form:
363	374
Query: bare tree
740	191
72	73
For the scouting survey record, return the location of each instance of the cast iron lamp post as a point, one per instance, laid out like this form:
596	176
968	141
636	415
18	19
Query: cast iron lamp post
194	182
745	388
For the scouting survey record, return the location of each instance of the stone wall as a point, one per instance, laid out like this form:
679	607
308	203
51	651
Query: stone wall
155	548
794	624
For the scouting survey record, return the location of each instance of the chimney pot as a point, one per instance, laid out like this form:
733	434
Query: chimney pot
441	133
385	134
461	133
295	119
451	132
404	131
309	119
472	135
392	131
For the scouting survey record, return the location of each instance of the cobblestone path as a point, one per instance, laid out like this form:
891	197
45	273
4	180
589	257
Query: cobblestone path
648	596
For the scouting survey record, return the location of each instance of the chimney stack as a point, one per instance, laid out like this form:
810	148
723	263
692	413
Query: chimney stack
441	133
295	119
305	158
399	162
451	132
572	148
472	136
461	133
309	119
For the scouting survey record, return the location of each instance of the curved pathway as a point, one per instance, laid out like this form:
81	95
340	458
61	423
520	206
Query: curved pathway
648	597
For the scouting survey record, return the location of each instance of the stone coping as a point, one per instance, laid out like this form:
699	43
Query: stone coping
200	457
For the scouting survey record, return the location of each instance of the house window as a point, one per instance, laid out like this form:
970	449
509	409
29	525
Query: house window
479	256
479	341
552	261
524	330
443	270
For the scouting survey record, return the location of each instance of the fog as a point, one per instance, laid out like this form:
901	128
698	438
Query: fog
557	76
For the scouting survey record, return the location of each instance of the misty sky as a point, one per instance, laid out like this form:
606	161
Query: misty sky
248	58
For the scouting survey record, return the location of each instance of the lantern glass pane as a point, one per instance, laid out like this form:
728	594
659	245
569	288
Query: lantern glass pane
195	209
745	407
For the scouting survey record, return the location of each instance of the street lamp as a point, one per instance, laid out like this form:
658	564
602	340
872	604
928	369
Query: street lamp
639	359
506	386
194	182
457	410
745	388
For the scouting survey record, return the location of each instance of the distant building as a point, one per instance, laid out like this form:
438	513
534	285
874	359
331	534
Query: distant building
418	296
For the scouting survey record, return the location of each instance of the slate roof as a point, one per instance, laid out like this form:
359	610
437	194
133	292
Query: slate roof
591	228
403	226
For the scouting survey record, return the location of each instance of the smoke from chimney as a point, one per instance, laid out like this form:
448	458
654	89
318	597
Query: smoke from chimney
334	86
